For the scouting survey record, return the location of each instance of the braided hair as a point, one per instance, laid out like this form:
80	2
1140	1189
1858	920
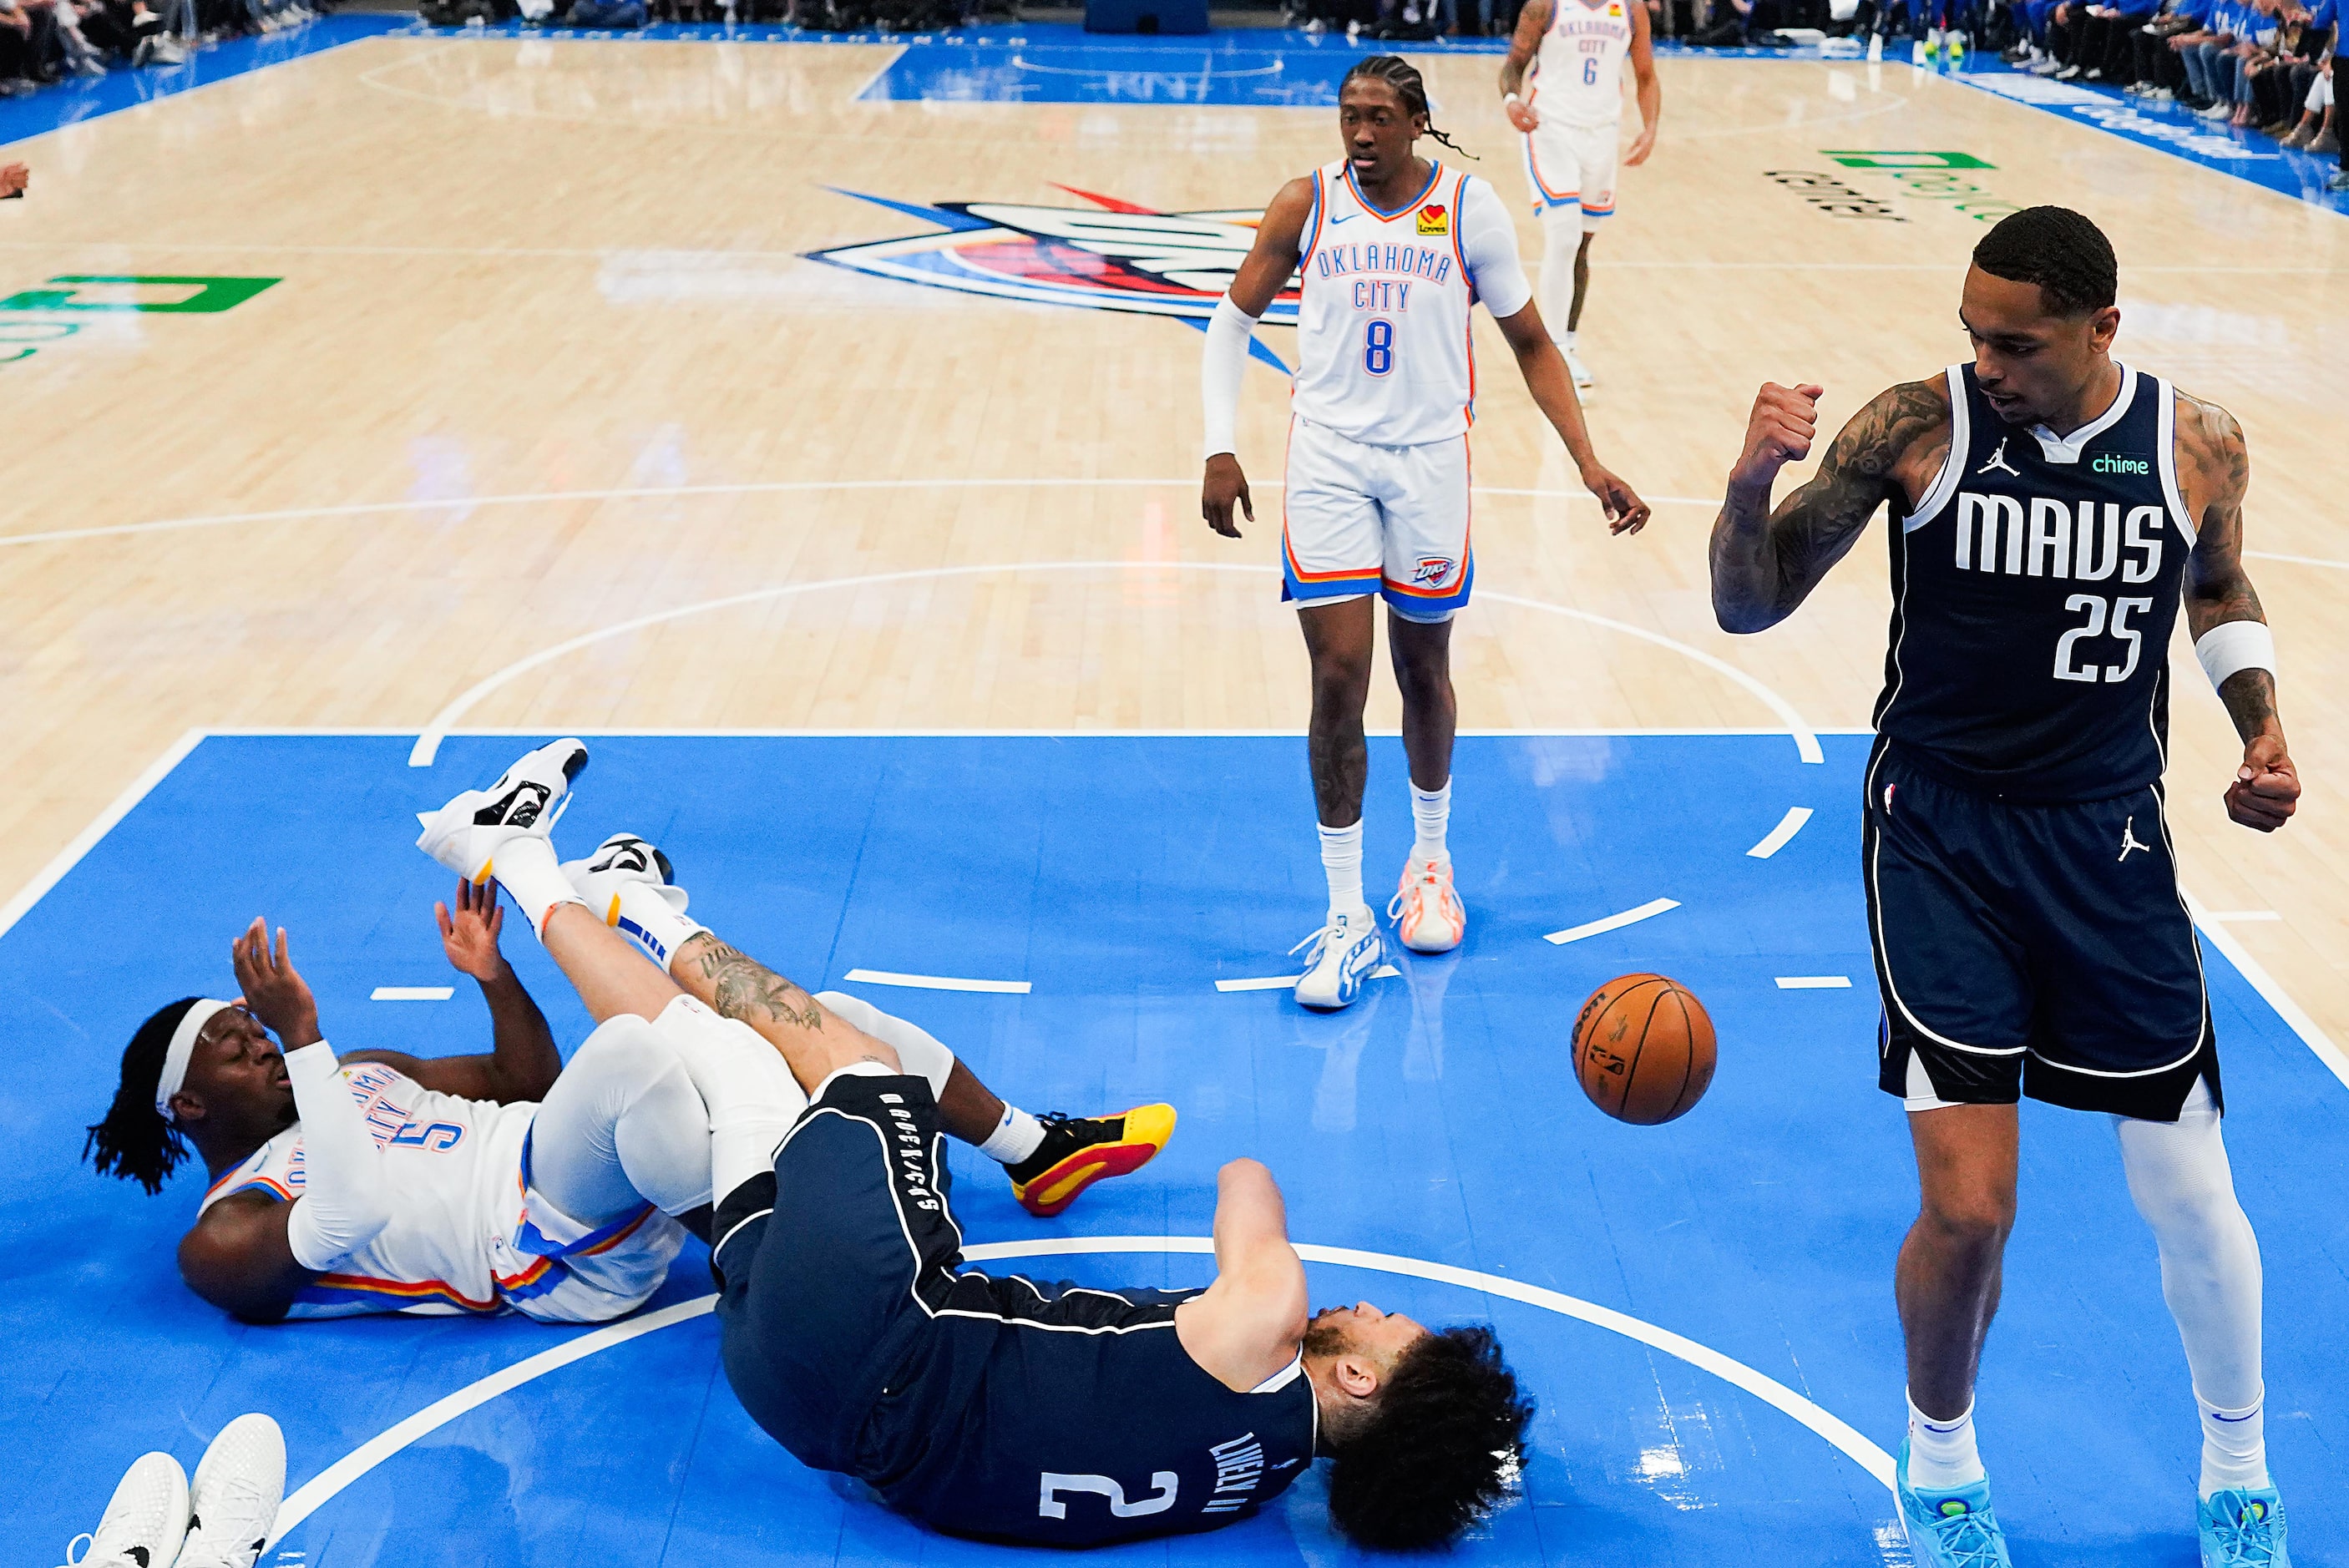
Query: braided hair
1409	85
134	1141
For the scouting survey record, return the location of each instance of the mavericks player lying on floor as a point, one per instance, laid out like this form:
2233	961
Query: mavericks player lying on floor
985	1406
445	1185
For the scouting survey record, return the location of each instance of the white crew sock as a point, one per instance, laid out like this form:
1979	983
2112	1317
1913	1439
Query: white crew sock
1941	1455
646	918
2234	1448
1341	862
525	866
1431	813
1015	1138
1570	337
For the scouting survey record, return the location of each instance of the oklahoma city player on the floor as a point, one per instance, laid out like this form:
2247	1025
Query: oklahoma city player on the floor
1577	49
1392	250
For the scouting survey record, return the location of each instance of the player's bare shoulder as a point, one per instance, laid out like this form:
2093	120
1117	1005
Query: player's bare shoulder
1900	439
2214	461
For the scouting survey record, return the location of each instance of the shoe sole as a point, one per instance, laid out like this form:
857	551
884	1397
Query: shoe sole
1064	1184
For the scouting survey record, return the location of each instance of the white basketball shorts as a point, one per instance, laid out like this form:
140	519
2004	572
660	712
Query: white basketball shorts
1573	166
1391	521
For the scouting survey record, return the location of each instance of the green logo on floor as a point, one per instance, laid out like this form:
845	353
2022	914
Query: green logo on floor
1860	158
30	317
147	293
1929	176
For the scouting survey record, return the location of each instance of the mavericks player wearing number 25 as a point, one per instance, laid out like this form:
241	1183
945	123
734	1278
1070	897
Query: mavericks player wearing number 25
1392	250
2054	505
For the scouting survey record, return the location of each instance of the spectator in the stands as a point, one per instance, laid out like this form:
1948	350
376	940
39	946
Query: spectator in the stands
2198	50
2316	131
2225	70
2156	71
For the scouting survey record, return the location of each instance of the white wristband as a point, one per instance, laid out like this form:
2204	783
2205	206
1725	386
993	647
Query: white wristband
2234	647
1508	98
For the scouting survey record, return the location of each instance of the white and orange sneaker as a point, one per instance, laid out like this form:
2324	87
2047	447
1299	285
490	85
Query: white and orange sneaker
1427	912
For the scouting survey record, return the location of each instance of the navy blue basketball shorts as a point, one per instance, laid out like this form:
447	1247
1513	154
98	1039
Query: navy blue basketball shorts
2031	949
831	1271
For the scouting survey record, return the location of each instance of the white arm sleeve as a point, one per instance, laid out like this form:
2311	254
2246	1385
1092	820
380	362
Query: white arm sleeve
1488	240
344	1200
1221	366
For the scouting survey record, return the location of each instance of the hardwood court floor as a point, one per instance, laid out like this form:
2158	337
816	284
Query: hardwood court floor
538	274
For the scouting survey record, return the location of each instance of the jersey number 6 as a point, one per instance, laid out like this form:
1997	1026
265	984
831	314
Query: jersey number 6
1378	345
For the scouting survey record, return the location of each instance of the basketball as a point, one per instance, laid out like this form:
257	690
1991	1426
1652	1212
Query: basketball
1643	1049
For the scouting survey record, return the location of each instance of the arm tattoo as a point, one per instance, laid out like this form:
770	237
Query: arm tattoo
1779	558
743	988
2215	471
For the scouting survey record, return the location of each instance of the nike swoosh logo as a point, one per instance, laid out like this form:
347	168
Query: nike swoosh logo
1347	218
2232	1420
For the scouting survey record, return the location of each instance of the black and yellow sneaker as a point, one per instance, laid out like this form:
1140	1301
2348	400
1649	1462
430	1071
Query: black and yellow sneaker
1079	1151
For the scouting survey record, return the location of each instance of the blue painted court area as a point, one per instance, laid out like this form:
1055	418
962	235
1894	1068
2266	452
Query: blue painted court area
1436	1123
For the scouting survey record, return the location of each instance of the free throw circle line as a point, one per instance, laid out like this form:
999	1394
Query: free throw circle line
322	1487
427	743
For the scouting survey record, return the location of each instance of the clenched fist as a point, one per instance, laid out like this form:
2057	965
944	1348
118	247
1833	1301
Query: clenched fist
1785	422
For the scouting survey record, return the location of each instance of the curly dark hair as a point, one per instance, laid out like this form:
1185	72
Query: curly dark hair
132	1140
2061	251
1439	1447
1409	85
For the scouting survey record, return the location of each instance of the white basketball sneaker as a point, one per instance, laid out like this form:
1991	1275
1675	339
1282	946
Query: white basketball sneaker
1427	912
239	1483
144	1522
621	859
1339	958
1583	380
464	834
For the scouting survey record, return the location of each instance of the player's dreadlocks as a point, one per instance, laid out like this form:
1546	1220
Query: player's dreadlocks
1404	77
135	1141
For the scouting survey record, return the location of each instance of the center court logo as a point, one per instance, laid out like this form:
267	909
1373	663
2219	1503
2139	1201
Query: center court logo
1112	256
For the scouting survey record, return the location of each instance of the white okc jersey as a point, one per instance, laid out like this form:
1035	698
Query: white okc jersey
454	1169
1578	76
1383	351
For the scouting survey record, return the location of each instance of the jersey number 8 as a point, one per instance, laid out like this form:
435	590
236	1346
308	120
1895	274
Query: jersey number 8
1378	345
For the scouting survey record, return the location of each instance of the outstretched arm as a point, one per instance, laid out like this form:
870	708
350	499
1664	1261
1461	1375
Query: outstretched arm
1270	263
523	1062
2215	469
1766	562
1246	1326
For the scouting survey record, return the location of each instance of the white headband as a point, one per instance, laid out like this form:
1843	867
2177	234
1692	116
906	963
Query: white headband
183	1045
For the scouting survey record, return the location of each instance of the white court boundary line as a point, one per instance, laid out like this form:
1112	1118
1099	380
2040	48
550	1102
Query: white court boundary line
683	492
49	875
323	1488
427	743
1648	911
936	981
1779	837
2295	1018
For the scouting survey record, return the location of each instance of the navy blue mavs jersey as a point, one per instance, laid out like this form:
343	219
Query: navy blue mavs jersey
983	1404
2029	939
2034	590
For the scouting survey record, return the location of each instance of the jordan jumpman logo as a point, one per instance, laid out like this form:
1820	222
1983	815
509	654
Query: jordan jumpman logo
2129	839
1998	461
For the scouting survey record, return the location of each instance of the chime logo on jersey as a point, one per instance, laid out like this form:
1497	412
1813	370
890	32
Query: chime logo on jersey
1113	255
1434	220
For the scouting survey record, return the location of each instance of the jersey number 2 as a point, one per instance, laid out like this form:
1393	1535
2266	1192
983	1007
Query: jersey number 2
1164	1485
1378	345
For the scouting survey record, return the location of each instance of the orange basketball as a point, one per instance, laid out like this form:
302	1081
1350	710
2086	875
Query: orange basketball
1643	1049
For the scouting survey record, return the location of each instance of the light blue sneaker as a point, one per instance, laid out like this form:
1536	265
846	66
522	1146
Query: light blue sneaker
1951	1529
2242	1528
1343	954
